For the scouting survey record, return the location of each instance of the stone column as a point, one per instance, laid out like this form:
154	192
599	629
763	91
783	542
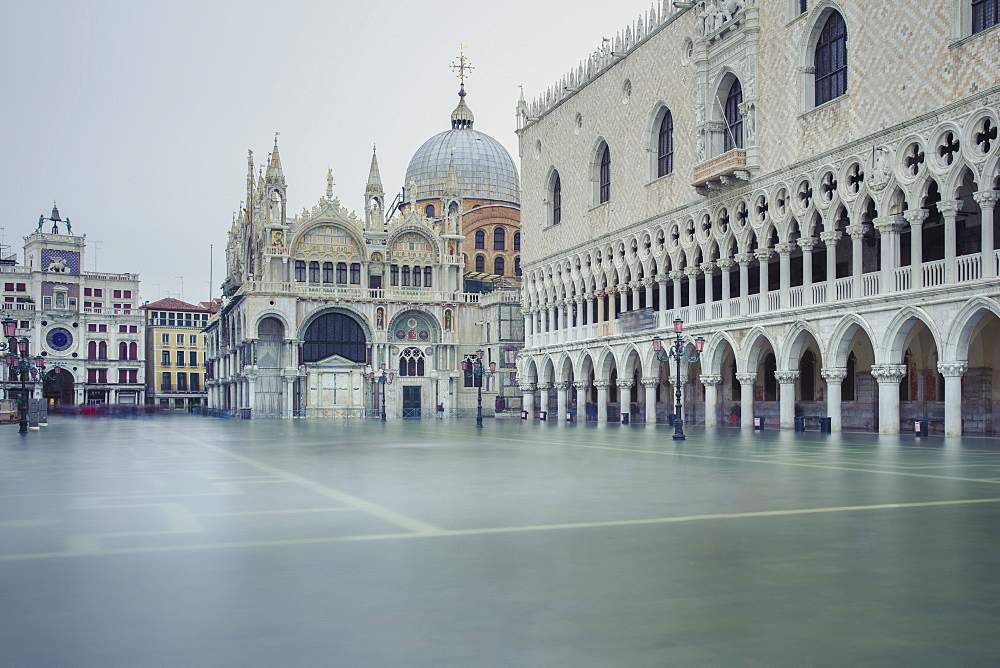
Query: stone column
692	274
746	381
857	232
922	385
543	397
623	291
762	255
744	260
953	372
562	399
625	396
289	395
807	244
786	391
648	283
711	383
708	270
834	376
830	239
529	322
602	399
724	265
592	309
676	275
888	377
528	399
889	227
916	218
949	210
987	200
581	401
784	252
662	279
650	384
599	298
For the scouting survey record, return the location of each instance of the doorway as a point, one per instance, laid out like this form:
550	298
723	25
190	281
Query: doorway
411	401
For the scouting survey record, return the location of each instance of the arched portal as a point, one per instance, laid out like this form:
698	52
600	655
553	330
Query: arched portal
269	358
335	351
58	387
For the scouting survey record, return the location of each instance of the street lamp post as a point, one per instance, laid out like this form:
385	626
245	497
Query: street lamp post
478	373
383	378
677	352
18	361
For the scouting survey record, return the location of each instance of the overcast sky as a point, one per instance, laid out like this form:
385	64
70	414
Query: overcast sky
136	115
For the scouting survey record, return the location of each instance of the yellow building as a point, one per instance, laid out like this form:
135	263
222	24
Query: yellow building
175	353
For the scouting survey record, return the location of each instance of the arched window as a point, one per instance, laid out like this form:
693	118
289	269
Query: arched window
394	274
517	241
334	334
807	376
102	350
411	362
831	60
770	383
328	272
604	176
300	271
406	275
517	265
417	277
665	146
733	137
314	272
428	272
481	264
342	273
355	273
92	350
985	14
133	351
480	239
429	211
498	265
499	239
847	385
123	351
556	202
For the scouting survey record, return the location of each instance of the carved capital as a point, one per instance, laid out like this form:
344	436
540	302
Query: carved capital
762	254
649	381
692	272
857	231
725	264
746	378
807	243
786	377
581	386
676	274
833	374
889	224
888	373
527	387
544	387
710	379
830	238
707	267
602	384
916	217
744	259
987	197
783	249
626	383
561	385
949	208
953	369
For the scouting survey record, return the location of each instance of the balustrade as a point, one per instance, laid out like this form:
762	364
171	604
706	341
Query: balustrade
870	284
795	297
969	267
819	293
773	301
753	304
844	287
933	273
902	279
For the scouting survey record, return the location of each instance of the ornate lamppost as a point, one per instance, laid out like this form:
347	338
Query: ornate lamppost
383	378
18	361
478	373
677	352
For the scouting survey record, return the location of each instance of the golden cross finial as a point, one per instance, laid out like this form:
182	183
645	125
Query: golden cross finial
462	65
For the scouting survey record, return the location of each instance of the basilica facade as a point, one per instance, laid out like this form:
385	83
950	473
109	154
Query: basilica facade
808	185
316	304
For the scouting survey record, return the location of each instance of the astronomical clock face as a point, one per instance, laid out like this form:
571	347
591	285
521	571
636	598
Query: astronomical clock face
59	339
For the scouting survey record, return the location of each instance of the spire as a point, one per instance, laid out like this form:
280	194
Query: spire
274	173
462	118
451	184
374	179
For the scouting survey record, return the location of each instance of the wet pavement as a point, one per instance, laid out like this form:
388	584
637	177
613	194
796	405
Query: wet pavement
195	541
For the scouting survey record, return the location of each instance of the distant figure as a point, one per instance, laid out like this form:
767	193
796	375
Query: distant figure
41	221
591	411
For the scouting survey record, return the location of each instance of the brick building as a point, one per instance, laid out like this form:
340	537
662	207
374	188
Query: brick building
808	185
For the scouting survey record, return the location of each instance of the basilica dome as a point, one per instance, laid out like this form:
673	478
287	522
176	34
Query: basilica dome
483	167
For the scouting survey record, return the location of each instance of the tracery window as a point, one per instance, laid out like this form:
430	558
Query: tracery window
411	362
733	137
556	207
831	60
985	14
480	239
604	193
499	239
665	146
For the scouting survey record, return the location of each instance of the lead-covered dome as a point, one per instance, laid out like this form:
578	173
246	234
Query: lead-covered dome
483	167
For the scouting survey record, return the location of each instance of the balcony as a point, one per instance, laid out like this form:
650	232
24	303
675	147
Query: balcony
725	170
